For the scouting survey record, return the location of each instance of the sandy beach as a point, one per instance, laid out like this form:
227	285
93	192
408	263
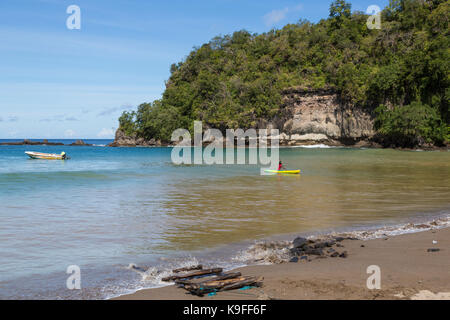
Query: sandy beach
409	270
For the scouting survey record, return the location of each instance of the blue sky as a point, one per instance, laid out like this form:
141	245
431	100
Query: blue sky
61	83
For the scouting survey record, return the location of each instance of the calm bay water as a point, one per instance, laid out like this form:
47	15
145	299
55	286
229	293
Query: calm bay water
108	207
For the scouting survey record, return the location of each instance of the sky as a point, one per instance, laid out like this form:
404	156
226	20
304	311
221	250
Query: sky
57	82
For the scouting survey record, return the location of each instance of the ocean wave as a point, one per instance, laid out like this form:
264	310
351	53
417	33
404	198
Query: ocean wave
153	275
264	252
389	231
150	277
314	146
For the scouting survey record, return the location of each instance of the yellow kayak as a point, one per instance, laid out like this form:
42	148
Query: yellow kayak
284	171
46	156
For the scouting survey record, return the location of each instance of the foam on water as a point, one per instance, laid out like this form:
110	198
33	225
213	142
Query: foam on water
270	252
389	231
314	146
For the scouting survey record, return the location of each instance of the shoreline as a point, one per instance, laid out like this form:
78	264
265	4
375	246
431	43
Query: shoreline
309	144
304	145
409	270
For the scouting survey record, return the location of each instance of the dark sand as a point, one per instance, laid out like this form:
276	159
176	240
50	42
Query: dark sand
408	271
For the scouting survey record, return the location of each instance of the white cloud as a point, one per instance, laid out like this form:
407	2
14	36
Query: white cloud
69	133
59	118
110	111
276	16
106	133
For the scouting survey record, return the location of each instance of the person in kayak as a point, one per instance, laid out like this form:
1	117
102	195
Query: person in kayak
280	166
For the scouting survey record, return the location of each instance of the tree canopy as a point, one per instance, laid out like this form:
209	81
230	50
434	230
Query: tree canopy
400	70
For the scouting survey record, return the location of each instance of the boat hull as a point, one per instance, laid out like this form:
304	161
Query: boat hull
44	156
284	171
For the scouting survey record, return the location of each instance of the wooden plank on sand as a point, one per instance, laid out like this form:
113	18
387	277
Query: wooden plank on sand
193	274
225	276
197	267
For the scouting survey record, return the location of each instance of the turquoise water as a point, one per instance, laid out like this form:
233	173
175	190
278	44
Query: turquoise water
108	207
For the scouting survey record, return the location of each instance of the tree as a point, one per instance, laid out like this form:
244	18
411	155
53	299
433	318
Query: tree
340	9
238	80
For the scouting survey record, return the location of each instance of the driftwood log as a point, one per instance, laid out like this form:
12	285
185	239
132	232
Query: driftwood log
221	285
193	274
250	281
220	282
198	267
224	276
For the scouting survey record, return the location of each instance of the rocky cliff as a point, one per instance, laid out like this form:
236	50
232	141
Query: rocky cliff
320	116
306	117
123	140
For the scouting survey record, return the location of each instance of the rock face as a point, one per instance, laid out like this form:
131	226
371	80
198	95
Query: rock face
319	116
122	140
306	117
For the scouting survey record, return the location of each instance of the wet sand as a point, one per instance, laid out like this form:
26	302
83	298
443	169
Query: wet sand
408	271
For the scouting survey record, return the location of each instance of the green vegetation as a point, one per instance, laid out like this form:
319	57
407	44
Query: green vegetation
234	80
410	125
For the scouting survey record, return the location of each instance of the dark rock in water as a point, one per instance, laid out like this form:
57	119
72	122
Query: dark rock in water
433	250
330	243
343	254
319	245
300	242
313	251
304	258
80	143
324	244
339	239
294	259
31	143
296	252
334	254
138	268
362	246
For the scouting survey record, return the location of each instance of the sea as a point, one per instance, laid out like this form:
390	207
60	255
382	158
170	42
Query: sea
107	209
